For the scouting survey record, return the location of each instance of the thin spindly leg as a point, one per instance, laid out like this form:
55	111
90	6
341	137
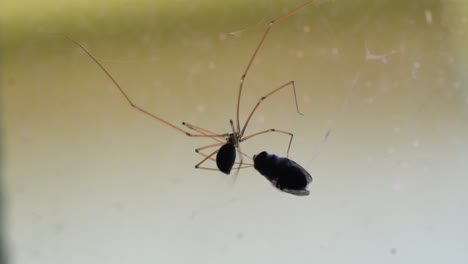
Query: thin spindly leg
271	130
130	101
265	97
256	51
198	150
205	132
209	146
207	157
215	169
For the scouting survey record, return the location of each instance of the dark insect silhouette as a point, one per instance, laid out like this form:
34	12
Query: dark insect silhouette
283	173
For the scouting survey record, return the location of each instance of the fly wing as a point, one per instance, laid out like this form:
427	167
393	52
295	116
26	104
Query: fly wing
304	173
297	192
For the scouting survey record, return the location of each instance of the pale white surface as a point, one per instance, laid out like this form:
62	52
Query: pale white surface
89	180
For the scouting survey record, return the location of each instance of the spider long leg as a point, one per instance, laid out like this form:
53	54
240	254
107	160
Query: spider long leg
130	101
256	51
201	129
265	97
212	159
206	157
198	150
271	130
215	169
206	132
244	167
209	146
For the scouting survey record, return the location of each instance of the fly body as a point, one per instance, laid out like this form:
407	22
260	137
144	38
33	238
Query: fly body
283	173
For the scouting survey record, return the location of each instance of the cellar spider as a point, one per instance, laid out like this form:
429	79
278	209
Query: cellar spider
228	142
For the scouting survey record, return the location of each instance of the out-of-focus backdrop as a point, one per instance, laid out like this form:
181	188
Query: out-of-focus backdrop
87	179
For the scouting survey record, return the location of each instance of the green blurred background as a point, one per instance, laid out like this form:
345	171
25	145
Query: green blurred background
87	179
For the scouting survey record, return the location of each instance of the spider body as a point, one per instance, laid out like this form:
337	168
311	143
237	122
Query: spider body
226	156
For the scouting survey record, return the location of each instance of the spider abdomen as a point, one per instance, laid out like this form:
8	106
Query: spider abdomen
226	157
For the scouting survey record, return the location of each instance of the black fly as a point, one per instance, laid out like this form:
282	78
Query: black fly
283	173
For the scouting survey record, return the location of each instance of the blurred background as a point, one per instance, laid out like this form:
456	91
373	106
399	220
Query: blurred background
87	179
